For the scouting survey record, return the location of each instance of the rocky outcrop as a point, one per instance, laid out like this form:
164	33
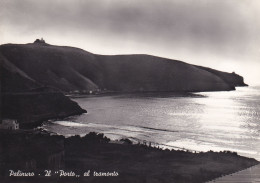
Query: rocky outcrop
32	108
233	78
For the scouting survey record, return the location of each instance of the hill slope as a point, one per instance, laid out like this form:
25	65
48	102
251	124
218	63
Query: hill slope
27	100
70	69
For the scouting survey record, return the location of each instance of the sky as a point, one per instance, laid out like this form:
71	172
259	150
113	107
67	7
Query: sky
221	34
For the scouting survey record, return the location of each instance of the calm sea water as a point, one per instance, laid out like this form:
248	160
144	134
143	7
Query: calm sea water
208	121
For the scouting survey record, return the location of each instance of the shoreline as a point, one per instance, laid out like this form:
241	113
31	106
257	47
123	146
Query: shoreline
136	94
117	139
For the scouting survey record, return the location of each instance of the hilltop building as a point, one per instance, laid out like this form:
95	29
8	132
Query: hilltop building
39	40
9	124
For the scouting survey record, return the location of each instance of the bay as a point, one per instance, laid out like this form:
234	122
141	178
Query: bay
203	121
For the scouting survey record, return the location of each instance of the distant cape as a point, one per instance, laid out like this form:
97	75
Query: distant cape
29	66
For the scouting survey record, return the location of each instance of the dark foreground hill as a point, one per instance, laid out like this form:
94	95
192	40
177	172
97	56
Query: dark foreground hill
70	69
112	162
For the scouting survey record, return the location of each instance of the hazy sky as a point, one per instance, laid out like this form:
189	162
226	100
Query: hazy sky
222	34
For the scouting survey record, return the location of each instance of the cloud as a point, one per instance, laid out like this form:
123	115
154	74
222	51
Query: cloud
211	23
185	29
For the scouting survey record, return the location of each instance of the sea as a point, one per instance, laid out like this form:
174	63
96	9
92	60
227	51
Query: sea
217	121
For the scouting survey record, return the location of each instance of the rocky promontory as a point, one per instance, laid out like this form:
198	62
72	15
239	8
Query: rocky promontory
72	69
32	108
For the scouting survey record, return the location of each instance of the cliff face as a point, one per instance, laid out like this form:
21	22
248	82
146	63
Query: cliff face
70	69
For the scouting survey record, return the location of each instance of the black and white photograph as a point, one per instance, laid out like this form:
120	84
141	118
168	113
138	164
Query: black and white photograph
130	91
